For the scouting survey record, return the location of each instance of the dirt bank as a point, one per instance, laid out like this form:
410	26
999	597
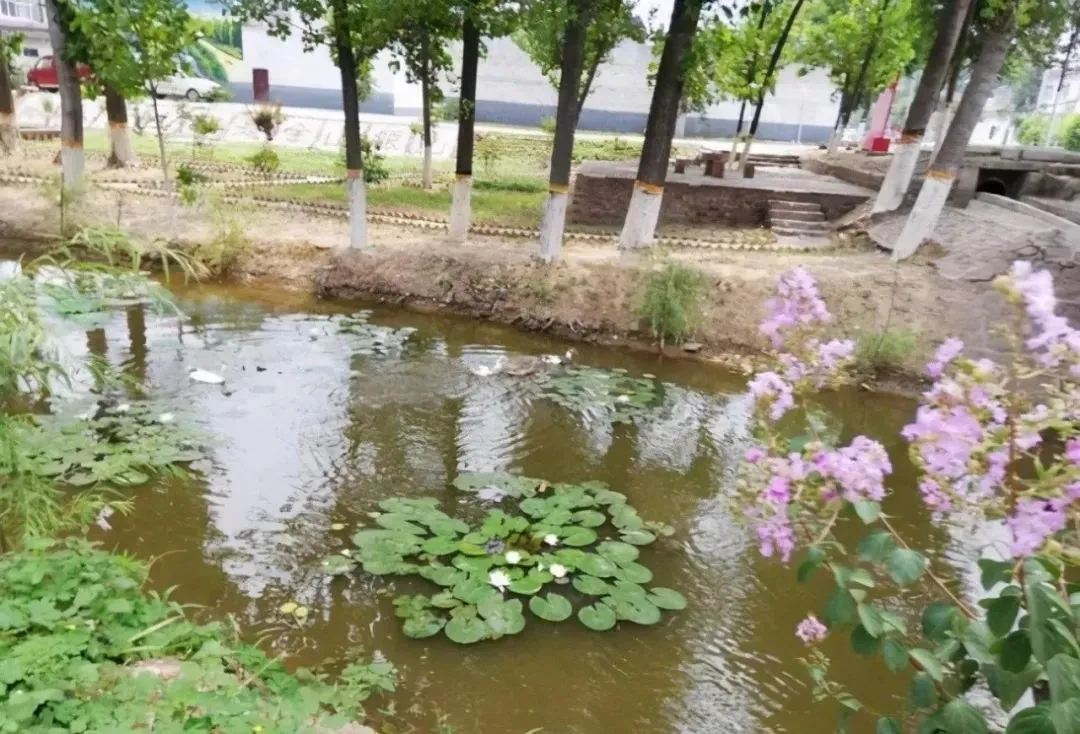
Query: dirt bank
592	294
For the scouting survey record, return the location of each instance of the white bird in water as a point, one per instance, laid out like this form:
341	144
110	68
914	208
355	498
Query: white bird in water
206	377
484	370
556	359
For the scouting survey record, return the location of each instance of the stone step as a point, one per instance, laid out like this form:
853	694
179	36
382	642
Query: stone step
803	206
797	229
798	214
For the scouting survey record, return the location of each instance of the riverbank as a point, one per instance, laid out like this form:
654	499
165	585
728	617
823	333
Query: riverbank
592	294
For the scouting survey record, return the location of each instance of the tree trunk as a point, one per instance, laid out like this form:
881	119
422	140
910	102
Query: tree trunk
738	132
906	156
9	129
460	207
590	76
425	92
639	228
751	74
864	67
939	179
121	154
562	150
160	134
354	165
72	160
770	70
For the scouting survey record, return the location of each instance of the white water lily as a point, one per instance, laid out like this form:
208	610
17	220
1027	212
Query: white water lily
87	416
166	418
345	552
123	408
513	558
622	399
499	579
557	570
551	539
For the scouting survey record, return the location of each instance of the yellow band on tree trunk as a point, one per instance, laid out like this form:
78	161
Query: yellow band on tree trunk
939	175
652	189
354	173
559	188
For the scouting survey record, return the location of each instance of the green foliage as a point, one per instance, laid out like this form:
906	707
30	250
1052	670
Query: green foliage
83	648
878	352
416	129
554	538
1033	130
375	169
265	159
27	360
267	118
547	124
1069	137
588	389
672	301
449	110
488	151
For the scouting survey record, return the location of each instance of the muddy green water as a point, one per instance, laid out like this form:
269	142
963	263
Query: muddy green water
308	434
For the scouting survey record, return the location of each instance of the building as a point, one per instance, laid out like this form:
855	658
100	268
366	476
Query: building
28	18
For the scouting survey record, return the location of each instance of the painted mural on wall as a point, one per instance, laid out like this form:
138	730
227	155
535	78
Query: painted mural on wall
219	54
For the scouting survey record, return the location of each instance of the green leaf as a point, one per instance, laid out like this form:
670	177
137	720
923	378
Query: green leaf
598	617
529	584
905	566
638	537
595	565
589	518
337	565
926	662
591	585
441	545
1008	687
1001	614
474	590
1066	716
1015	651
960	717
876	546
887	725
638	610
503	617
1064	674
923	692
867	510
423	625
1034	720
443	575
634	573
815	556
864	643
895	654
578	536
840	610
667	598
466	630
937	620
553	607
995	572
616	552
871	620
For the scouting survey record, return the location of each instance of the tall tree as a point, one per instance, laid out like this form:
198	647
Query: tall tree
419	46
1065	55
9	128
354	31
543	26
862	44
72	158
639	228
130	44
580	16
939	180
480	19
906	155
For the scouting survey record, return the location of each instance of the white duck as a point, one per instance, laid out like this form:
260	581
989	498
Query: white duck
485	370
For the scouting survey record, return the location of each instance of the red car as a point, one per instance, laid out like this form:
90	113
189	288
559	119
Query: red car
43	74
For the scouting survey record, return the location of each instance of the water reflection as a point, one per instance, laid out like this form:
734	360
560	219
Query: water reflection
310	431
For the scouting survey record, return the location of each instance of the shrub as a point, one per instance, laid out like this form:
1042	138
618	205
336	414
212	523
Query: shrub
265	159
267	118
375	168
204	125
487	150
219	94
673	301
878	352
449	109
1033	129
416	128
548	125
1068	136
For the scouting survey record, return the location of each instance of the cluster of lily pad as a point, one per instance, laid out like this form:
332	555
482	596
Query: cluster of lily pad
566	546
584	389
372	339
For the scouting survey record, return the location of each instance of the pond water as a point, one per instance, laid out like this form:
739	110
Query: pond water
309	433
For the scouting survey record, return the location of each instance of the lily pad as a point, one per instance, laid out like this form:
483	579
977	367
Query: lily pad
577	536
598	617
530	583
638	610
638	537
595	565
423	625
634	573
474	591
617	552
444	575
445	600
440	545
395	521
667	598
553	607
535	507
474	565
589	518
570	557
503	617
514	486
337	565
466	631
447	526
626	518
591	585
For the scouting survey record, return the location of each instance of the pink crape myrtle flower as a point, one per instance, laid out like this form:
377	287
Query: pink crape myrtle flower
810	630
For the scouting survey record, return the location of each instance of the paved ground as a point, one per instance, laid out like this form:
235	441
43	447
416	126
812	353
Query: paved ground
309	127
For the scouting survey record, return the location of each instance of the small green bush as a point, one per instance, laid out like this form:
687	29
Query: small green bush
1069	135
880	352
1033	129
203	125
548	125
488	151
672	302
267	118
265	159
449	109
416	128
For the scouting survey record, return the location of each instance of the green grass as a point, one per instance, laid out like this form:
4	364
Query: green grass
508	208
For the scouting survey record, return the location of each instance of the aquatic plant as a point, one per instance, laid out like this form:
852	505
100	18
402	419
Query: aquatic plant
369	339
565	545
988	450
588	389
672	301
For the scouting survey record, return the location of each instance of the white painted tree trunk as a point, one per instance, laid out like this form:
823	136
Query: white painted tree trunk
357	210
639	227
924	216
745	158
73	166
553	225
898	179
9	133
427	166
1049	140
834	141
123	152
733	159
460	208
946	118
